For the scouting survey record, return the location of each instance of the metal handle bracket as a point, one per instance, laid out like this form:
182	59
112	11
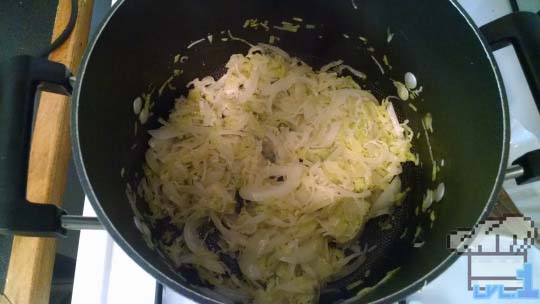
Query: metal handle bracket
77	222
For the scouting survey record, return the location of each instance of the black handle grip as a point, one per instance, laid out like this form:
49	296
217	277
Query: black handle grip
522	30
19	79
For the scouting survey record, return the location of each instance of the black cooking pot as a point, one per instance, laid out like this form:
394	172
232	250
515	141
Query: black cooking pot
135	47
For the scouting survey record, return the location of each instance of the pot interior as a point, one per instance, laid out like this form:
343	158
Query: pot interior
136	48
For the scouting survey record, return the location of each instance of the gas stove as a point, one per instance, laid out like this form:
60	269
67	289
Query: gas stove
105	274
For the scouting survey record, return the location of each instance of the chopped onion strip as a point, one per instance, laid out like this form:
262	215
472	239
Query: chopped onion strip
194	43
378	64
258	193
